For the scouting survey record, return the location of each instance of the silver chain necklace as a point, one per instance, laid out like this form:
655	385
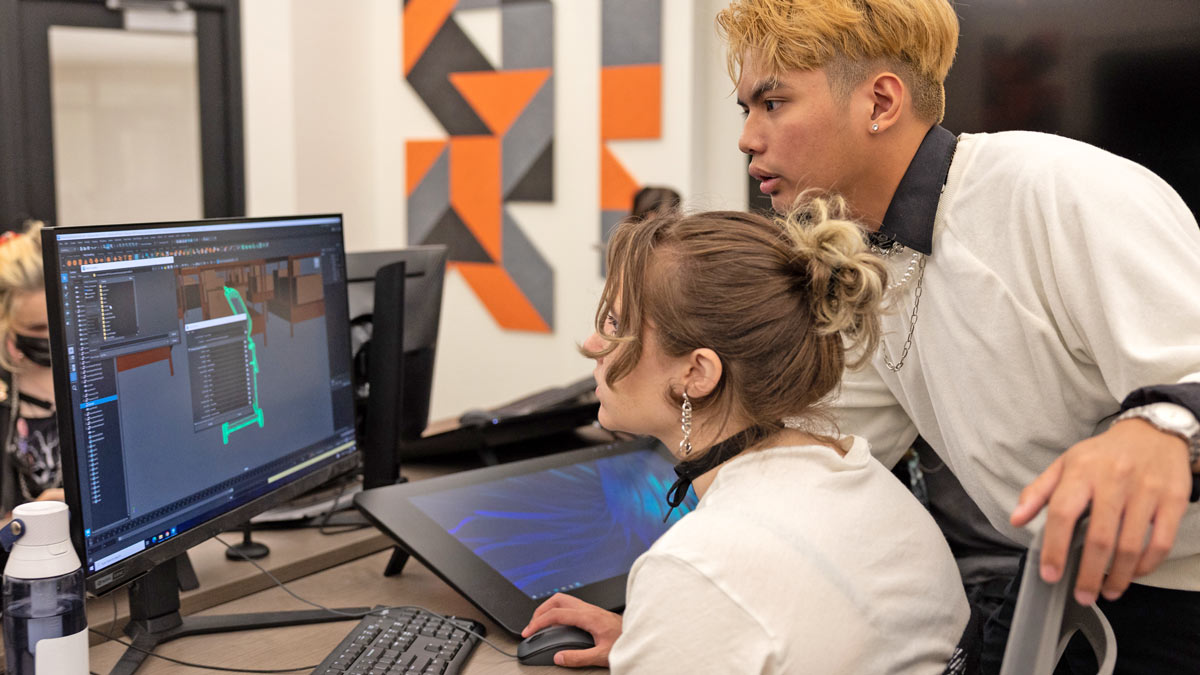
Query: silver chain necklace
916	263
912	320
908	272
893	250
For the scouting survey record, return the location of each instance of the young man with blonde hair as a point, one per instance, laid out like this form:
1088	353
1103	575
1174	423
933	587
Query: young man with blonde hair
1041	286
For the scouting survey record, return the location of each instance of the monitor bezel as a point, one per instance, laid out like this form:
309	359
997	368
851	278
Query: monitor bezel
129	569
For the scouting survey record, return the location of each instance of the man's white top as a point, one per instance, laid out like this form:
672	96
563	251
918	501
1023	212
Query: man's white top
1062	278
797	560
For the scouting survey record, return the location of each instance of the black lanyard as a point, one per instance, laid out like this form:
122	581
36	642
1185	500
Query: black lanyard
690	469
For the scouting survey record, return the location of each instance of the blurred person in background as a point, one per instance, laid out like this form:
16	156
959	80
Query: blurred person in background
30	468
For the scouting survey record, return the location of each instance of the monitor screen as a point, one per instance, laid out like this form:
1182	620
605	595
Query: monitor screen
201	369
563	528
509	536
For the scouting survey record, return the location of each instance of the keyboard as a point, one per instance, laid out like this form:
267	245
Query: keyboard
408	641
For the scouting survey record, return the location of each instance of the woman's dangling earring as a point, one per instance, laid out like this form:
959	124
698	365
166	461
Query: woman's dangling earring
685	445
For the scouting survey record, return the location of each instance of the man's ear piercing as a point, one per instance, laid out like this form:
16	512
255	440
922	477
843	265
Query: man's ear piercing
874	128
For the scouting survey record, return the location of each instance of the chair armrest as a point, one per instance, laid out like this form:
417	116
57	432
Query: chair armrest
1046	616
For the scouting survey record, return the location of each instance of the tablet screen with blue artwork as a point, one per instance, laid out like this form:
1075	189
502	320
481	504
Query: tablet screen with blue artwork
562	528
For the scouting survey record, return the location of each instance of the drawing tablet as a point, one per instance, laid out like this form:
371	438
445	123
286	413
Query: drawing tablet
507	537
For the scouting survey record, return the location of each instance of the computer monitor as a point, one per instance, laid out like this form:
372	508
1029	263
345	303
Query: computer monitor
419	313
202	375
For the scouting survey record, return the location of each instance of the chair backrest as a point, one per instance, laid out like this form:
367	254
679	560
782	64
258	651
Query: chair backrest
1047	616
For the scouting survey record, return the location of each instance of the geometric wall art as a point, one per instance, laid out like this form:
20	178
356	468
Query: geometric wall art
484	69
630	96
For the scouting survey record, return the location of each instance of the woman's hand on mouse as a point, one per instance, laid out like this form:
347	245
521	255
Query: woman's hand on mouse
568	610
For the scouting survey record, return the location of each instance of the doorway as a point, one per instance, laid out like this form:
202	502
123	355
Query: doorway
122	111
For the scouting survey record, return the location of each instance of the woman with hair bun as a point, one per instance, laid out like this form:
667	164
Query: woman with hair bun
29	464
804	554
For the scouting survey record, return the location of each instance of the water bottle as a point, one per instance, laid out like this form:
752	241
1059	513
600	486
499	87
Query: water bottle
45	625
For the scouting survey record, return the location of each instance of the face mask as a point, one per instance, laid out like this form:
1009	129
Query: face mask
36	349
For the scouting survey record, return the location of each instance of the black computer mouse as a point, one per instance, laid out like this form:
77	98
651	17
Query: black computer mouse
539	649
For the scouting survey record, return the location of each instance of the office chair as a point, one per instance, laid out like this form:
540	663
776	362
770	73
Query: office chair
1047	616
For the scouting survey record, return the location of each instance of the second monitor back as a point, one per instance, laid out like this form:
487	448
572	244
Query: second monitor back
425	269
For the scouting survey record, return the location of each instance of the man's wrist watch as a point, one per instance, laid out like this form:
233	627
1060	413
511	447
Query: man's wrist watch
1173	419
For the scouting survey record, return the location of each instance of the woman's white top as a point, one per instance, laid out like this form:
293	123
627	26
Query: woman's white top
797	560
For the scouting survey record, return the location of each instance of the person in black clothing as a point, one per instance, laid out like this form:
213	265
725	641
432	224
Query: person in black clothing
30	468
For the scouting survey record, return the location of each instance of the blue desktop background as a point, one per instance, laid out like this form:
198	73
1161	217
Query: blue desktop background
563	528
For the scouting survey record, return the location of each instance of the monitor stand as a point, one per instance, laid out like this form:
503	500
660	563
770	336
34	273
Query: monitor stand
247	550
154	617
188	581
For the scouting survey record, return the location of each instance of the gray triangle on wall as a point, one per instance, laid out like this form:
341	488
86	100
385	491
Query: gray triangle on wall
462	246
537	185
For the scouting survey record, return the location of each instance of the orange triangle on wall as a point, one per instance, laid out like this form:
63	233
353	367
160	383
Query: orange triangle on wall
475	188
617	186
498	97
421	21
503	299
419	157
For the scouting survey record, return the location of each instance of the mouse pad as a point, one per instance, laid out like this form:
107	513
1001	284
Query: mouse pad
508	537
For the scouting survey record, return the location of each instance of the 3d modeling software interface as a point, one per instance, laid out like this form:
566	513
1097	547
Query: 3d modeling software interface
201	369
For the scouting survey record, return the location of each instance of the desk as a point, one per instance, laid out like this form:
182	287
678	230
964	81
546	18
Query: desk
294	554
342	570
359	582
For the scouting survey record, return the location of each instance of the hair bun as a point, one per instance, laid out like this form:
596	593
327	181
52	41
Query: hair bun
842	281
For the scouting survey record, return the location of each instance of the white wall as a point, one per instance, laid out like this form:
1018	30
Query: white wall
719	171
126	126
327	114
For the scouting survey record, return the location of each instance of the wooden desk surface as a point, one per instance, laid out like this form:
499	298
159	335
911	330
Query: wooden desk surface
359	582
343	570
294	554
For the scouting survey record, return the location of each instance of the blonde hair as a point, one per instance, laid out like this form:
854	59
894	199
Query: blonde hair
20	272
851	39
781	301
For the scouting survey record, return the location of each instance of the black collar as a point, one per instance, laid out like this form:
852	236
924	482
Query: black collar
36	402
691	469
909	218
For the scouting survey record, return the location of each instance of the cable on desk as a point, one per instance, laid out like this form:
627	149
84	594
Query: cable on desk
359	615
204	667
109	636
321	528
351	615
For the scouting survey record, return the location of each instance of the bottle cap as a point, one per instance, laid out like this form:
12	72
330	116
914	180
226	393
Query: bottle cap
45	523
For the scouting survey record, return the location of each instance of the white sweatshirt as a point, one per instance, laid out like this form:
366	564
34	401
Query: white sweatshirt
797	560
1062	278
